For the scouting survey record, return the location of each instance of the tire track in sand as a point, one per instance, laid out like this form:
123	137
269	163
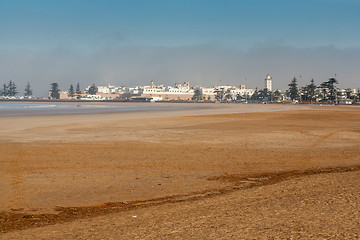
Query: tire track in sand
10	221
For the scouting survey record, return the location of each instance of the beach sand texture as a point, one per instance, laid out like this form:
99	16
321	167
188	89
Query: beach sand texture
270	173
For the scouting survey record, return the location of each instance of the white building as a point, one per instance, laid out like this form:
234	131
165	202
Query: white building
268	82
162	90
165	93
92	97
207	91
108	89
227	89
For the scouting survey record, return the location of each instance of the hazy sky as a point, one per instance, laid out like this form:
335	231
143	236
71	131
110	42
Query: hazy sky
206	42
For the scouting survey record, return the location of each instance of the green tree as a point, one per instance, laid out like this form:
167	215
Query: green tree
333	89
92	89
270	96
255	96
197	95
28	92
12	89
311	91
4	91
308	93
348	92
219	94
293	90
330	85
78	91
228	94
55	91
71	92
277	96
239	97
264	94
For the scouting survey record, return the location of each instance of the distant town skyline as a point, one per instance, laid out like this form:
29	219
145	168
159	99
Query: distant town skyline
205	42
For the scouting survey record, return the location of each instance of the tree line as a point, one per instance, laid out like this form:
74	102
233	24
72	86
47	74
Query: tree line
55	91
326	92
10	90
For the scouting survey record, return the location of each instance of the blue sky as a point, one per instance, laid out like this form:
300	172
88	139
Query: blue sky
201	41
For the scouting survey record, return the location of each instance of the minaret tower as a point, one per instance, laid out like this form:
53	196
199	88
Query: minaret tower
268	82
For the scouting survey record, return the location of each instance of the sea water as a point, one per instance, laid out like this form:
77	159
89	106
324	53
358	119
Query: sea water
23	109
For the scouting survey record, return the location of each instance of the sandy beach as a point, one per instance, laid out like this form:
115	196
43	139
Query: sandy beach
218	171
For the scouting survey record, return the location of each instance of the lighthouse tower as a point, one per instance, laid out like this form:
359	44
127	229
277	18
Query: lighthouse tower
268	82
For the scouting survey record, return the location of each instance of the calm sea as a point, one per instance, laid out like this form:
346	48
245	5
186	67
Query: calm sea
24	109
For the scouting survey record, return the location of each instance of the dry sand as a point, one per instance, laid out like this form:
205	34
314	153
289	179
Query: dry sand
254	171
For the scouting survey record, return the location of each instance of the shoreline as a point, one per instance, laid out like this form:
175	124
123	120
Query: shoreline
73	108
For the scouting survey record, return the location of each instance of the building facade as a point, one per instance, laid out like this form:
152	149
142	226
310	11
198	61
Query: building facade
268	82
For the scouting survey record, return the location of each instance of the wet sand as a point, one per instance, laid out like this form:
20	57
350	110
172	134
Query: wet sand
180	159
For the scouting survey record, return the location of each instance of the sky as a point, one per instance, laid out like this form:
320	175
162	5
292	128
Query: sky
205	42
